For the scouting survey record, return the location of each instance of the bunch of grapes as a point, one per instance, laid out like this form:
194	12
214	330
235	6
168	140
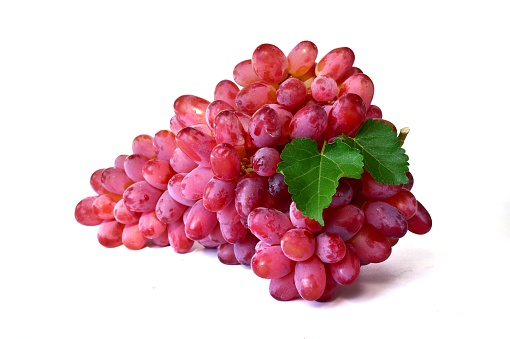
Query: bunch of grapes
211	179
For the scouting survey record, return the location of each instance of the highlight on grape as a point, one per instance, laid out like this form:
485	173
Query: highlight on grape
289	168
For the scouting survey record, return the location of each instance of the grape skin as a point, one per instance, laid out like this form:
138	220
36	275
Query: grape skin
141	197
421	221
84	212
309	122
310	278
226	91
270	263
302	57
200	222
270	63
123	214
385	218
133	165
132	237
109	233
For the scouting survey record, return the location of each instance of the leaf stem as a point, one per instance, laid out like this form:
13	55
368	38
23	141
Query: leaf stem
403	134
323	146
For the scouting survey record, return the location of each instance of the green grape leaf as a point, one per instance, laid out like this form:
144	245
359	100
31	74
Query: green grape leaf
312	176
383	156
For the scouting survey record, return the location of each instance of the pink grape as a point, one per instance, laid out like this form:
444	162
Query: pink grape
216	236
300	220
181	162
84	212
359	84
329	290
270	63
196	144
164	143
374	112
174	190
168	209
150	226
348	73
225	162
141	197
370	245
249	194
254	96
226	91
265	161
343	194
133	165
278	188
124	215
335	63
228	129
245	249
265	127
347	270
132	237
309	122
144	144
372	189
119	161
347	114
330	248
109	233
261	245
285	116
162	239
177	237
193	183
226	254
244	74
302	58
213	109
284	288
115	180
324	88
404	201
345	221
233	233
245	119
268	224
218	194
298	244
95	182
190	109
204	128
200	222
208	243
229	215
270	262
157	172
176	125
310	278
104	204
421	221
292	93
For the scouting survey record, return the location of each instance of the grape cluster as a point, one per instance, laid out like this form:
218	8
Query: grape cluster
211	179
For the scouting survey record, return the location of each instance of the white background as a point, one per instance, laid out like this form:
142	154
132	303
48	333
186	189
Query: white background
80	79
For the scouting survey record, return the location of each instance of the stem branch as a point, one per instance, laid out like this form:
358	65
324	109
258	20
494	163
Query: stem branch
403	134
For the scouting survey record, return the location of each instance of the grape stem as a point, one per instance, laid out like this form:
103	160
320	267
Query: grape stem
403	134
